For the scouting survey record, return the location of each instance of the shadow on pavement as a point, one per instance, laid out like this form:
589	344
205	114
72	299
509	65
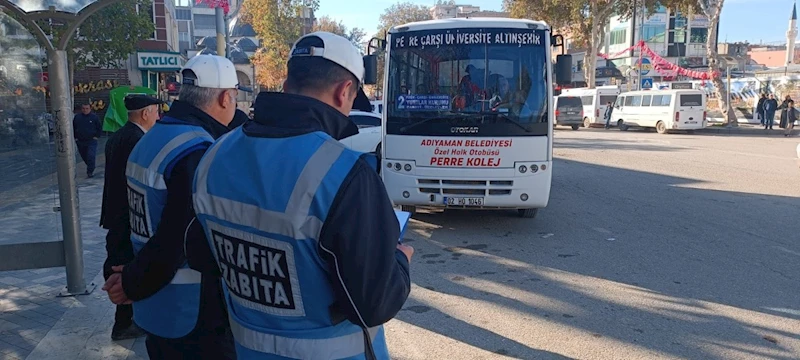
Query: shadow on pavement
650	262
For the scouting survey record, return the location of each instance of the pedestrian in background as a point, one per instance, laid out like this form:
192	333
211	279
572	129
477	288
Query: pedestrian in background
791	117
784	107
142	115
759	110
328	271
608	113
181	310
87	128
770	107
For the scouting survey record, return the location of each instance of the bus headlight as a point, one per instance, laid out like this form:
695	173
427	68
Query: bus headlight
407	167
523	169
389	165
406	194
397	166
534	168
523	197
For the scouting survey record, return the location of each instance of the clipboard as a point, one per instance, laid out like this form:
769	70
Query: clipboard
402	217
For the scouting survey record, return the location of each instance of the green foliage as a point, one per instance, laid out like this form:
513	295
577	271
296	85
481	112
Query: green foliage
278	24
109	37
355	35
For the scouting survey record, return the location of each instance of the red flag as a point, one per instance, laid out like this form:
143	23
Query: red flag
216	3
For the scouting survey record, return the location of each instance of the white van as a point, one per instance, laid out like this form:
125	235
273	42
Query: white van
594	102
663	110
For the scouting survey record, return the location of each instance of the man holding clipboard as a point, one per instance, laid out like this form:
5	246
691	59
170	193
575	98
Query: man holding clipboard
301	227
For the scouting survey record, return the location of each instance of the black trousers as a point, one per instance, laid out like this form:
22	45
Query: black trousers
88	151
119	251
200	344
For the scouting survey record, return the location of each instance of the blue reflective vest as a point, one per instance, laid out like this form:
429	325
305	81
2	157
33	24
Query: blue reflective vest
263	212
171	312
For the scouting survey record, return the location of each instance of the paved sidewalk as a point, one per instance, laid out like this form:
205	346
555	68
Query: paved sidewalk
29	308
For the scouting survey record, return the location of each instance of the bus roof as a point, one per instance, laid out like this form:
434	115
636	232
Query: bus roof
665	91
476	22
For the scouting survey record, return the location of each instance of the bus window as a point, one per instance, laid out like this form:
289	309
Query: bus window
691	100
646	100
629	101
636	100
605	99
587	100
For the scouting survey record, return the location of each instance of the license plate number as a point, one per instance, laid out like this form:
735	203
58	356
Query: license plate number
691	122
463	201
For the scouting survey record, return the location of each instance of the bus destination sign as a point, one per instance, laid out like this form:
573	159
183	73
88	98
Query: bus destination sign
455	37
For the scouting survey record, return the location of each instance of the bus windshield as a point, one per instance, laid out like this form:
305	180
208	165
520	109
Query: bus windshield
468	82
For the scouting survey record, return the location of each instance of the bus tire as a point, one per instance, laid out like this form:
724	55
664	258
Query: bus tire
576	127
527	213
661	128
587	123
623	127
409	209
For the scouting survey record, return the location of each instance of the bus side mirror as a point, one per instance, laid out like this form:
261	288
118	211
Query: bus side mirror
370	69
563	69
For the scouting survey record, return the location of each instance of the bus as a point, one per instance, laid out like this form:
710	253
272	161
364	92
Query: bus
467	120
595	101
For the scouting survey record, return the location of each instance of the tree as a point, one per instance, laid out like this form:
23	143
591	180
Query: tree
278	24
712	9
108	37
397	14
583	21
355	35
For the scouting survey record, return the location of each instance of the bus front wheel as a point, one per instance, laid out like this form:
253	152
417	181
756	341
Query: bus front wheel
409	209
528	213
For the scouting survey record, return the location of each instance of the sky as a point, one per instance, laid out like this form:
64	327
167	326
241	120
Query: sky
754	21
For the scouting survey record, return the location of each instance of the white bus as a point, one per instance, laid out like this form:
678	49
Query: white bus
594	102
467	121
664	110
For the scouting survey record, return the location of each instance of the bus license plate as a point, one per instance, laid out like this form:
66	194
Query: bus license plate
463	201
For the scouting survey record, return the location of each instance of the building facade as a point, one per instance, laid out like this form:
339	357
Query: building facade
453	10
158	59
675	37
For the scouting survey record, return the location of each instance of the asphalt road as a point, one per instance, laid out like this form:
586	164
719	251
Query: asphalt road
652	247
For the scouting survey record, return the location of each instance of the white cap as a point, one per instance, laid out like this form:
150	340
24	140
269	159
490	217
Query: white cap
211	71
335	48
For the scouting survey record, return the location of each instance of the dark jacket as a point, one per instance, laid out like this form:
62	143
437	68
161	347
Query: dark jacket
114	214
162	256
87	127
770	106
760	105
239	118
361	228
609	111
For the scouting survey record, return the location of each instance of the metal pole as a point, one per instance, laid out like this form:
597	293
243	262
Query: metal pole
65	161
227	37
220	17
641	38
728	105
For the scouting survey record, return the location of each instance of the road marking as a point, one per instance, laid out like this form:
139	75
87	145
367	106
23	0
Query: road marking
785	310
604	231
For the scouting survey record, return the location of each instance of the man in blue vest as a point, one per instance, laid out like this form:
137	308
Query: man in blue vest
182	311
301	227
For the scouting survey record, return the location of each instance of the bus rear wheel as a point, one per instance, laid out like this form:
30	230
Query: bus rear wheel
527	213
587	123
661	127
576	127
